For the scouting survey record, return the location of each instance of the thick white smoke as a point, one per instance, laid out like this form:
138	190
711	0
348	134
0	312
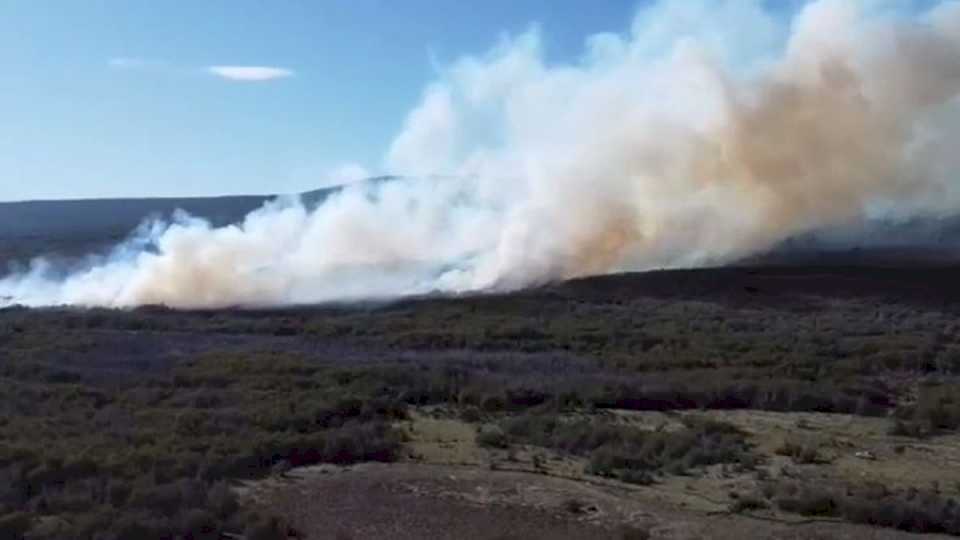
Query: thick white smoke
712	129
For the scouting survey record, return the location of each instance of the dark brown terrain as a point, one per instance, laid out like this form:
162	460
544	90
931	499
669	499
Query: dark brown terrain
751	402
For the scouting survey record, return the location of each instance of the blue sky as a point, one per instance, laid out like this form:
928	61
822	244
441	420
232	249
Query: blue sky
115	97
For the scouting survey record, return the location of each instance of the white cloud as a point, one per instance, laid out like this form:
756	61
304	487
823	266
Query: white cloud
250	73
231	73
124	62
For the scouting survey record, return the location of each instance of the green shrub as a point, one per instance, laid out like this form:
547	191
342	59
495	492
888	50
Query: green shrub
629	453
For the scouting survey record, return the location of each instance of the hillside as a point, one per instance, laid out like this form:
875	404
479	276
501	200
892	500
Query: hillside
802	403
806	393
68	229
73	228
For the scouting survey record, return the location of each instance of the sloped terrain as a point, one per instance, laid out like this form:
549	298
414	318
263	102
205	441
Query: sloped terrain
66	230
70	229
764	402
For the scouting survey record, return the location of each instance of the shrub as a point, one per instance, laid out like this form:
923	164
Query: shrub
471	414
937	409
138	526
265	528
222	501
629	453
802	452
492	438
809	502
640	478
914	511
746	503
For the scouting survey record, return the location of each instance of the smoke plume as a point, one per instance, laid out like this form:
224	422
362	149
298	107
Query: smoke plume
708	131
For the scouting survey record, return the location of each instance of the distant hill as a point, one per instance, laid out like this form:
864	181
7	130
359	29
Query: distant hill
68	229
76	227
926	241
107	216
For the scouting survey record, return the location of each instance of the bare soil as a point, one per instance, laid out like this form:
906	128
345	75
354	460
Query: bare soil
449	487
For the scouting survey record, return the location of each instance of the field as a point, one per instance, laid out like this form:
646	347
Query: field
762	402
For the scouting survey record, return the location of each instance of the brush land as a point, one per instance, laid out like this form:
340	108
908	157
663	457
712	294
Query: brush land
788	402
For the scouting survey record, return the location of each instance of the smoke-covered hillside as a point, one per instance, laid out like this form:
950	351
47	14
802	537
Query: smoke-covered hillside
66	231
79	227
63	236
681	141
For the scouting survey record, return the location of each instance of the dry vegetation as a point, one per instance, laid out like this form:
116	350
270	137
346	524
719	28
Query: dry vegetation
139	424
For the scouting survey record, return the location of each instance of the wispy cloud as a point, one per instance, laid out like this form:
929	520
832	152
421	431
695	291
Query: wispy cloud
250	73
126	62
230	73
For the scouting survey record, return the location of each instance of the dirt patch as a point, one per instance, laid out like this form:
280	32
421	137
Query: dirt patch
405	501
411	501
449	487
